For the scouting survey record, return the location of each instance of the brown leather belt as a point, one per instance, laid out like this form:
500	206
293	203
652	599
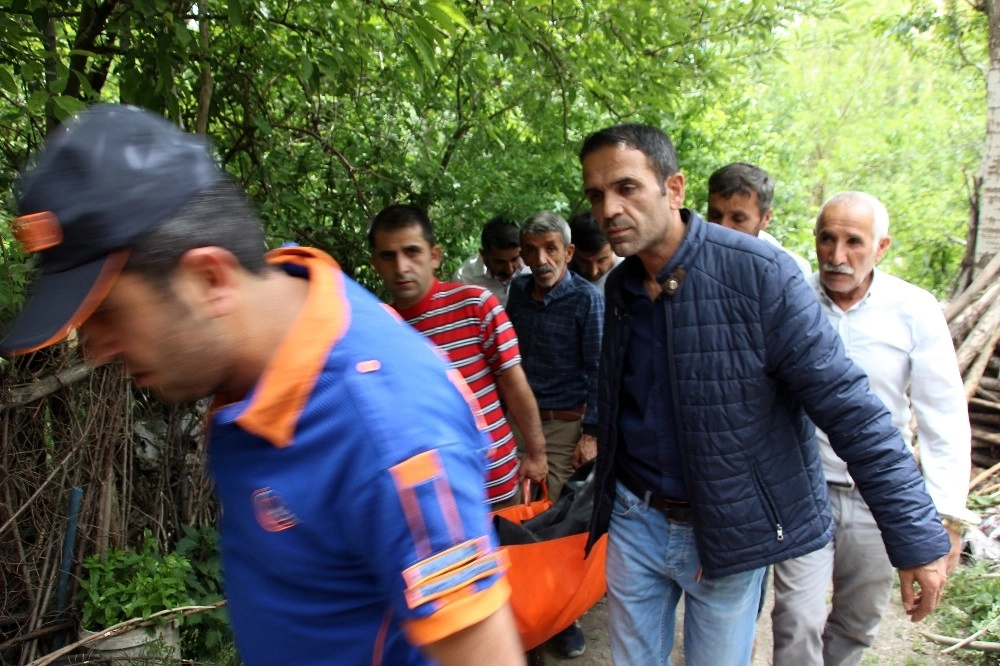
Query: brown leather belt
562	414
676	510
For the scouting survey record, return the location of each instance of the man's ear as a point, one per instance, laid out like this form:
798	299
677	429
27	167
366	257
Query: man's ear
883	245
674	188
766	220
570	250
209	278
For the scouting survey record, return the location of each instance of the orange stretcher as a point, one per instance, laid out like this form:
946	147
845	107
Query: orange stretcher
552	584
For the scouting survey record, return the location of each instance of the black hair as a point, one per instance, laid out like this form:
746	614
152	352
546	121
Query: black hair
586	233
218	216
652	142
502	233
400	216
745	178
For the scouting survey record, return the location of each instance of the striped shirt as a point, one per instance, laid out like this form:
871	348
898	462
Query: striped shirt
469	325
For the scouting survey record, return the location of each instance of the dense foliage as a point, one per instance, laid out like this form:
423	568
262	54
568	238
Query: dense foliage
119	584
328	111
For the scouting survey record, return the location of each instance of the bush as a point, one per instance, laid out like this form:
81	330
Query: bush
205	636
120	585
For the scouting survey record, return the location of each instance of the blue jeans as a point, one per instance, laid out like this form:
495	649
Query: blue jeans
651	562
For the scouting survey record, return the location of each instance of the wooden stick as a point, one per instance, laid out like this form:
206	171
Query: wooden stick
984	436
973	345
985	393
966	319
37	492
982	279
984	403
970	639
975	372
990	383
949	640
47	385
122	627
985	419
982	476
37	633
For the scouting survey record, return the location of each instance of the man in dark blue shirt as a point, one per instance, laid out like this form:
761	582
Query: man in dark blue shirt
559	319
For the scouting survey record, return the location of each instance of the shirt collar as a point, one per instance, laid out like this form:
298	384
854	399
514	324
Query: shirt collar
527	285
272	409
874	287
422	304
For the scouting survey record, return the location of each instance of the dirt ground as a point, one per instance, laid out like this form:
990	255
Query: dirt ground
899	642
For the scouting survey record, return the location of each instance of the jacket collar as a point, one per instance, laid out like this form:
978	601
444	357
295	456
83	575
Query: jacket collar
671	277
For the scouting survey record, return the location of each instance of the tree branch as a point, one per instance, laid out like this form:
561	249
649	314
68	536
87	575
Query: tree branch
47	385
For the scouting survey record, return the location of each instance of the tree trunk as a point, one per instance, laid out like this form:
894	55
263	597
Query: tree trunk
988	234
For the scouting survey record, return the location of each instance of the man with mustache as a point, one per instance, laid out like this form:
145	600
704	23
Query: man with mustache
498	261
558	317
716	355
898	335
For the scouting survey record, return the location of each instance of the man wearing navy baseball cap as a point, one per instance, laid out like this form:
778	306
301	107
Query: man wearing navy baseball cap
354	529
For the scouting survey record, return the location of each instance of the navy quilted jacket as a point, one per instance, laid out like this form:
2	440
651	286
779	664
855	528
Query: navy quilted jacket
753	355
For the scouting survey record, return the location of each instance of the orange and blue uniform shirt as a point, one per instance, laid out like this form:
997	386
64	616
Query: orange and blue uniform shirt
351	480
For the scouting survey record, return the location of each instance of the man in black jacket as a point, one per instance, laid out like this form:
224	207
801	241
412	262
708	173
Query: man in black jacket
715	350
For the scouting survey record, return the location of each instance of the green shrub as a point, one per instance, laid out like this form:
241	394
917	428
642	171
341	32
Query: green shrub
971	603
121	584
205	636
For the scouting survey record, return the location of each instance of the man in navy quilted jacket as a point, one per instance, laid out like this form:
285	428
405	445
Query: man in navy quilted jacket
717	359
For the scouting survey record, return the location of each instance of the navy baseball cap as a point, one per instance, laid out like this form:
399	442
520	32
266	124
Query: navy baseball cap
111	174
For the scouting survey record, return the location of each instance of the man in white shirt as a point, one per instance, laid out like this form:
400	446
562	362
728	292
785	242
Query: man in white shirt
593	257
896	332
739	198
498	261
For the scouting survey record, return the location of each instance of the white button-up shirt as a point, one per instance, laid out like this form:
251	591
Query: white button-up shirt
473	271
801	262
899	336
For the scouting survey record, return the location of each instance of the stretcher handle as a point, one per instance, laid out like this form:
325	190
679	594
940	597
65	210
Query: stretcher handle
526	491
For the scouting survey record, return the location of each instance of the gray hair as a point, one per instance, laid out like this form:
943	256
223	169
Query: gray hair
880	222
546	222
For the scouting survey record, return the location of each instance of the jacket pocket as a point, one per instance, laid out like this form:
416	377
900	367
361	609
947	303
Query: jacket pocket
768	504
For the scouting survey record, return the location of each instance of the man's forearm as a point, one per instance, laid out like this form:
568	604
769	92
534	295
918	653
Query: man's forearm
523	408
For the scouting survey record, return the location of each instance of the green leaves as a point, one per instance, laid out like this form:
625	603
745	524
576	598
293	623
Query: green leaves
446	16
121	584
327	111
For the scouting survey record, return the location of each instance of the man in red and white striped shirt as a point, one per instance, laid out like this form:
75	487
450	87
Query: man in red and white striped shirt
469	325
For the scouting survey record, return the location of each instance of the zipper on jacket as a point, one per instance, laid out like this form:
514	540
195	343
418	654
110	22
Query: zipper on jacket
769	507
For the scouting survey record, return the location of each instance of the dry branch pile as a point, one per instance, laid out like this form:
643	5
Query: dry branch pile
974	321
66	425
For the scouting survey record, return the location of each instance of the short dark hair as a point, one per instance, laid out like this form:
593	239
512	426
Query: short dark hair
745	178
652	142
400	216
220	216
586	233
501	232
